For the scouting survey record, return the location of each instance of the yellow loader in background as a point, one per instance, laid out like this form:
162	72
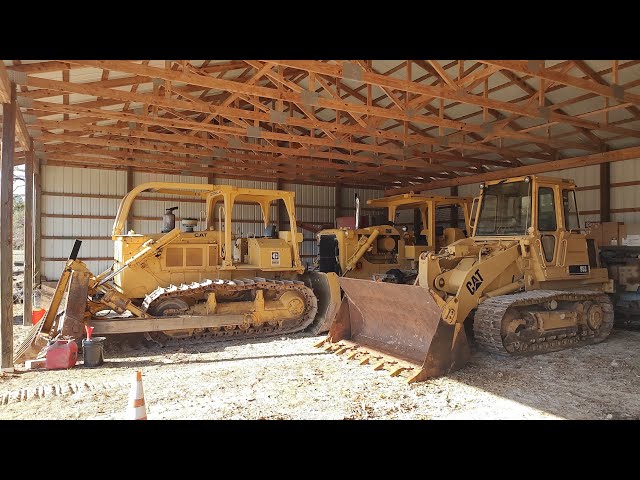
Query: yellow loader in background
387	252
203	280
528	279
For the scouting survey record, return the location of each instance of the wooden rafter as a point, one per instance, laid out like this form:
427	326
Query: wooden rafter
6	87
595	159
535	69
411	123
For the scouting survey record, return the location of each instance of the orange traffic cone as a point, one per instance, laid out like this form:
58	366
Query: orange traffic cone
136	409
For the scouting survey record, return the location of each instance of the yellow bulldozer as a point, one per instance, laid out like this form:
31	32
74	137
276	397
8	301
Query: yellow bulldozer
201	280
389	252
526	282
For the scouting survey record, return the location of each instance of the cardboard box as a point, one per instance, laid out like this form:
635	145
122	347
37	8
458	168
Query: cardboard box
632	229
595	231
630	234
622	232
610	233
631	240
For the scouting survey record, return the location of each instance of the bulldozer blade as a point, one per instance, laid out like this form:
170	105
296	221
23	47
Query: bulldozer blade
72	321
327	290
401	326
67	323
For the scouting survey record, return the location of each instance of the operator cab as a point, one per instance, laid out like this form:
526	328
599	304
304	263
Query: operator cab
541	208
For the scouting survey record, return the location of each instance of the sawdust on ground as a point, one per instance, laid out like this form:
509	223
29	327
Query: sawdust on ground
287	378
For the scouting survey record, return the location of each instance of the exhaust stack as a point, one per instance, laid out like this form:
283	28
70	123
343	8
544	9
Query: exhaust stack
357	212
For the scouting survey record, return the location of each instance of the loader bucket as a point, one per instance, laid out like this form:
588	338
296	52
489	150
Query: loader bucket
397	328
327	290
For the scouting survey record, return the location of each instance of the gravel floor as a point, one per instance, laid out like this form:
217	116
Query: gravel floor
287	378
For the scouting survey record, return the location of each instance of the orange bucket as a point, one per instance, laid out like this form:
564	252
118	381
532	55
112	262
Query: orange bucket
37	314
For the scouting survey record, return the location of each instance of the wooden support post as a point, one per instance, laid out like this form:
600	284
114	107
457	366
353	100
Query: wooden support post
6	232
28	239
211	179
605	192
454	208
129	224
338	201
37	223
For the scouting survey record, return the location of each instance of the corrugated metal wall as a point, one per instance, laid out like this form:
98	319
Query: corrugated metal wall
624	194
82	203
314	204
588	200
625	197
72	208
69	211
348	203
148	214
625	190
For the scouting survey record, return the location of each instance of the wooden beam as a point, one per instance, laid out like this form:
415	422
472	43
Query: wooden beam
101	164
253	171
89	108
6	232
536	70
204	107
133	81
546	102
37	223
442	73
74	125
555	87
591	73
127	134
605	192
6	89
377	79
285	164
42	67
584	161
5	85
108	327
28	240
214	148
438	92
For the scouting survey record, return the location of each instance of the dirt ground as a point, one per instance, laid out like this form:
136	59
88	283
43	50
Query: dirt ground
287	378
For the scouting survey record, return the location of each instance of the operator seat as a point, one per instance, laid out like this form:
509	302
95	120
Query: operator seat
271	231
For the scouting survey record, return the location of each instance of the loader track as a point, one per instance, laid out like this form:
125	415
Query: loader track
489	315
227	287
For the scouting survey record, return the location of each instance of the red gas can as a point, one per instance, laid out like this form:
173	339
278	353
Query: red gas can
61	354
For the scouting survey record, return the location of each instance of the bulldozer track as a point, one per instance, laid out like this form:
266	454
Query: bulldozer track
488	321
237	286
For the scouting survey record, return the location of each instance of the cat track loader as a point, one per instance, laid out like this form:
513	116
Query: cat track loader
528	279
387	252
201	281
